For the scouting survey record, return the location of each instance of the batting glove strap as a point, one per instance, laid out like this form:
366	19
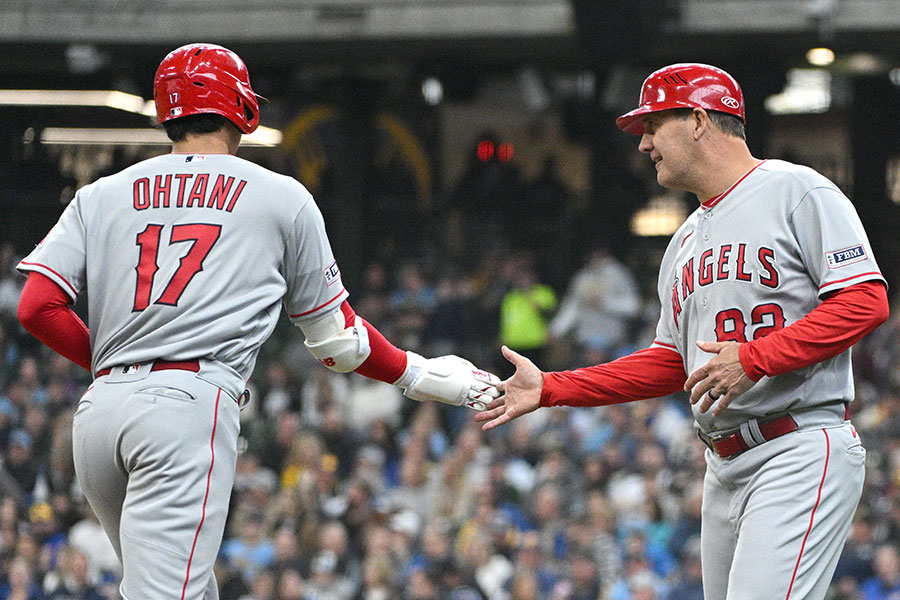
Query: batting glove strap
448	379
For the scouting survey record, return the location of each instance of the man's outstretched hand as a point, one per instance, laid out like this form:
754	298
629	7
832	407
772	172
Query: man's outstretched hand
519	395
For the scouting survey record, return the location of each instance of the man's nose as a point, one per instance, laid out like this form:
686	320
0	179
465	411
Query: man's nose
646	143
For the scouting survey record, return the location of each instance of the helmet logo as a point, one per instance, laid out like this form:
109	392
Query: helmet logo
174	112
731	102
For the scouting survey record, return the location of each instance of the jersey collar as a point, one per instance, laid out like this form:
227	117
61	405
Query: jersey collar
716	199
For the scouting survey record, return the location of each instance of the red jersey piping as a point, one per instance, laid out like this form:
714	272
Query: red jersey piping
716	199
61	278
320	306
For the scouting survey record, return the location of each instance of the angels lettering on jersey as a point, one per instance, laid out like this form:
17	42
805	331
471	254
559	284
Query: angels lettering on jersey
727	262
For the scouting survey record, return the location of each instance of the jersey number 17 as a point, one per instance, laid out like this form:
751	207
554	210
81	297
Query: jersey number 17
202	236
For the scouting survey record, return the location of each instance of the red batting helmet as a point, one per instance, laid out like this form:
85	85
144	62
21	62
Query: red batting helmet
685	85
205	78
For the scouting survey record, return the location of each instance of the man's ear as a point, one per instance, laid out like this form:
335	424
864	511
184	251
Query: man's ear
700	121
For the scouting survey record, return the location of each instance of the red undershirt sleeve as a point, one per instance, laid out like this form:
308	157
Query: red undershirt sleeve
649	373
840	321
386	362
44	311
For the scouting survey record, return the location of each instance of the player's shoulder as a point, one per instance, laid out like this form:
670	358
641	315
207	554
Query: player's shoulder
125	176
794	175
277	185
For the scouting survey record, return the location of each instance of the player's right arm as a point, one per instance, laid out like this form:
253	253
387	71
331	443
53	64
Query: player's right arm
344	342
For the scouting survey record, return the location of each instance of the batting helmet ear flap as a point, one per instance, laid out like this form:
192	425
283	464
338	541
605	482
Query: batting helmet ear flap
206	78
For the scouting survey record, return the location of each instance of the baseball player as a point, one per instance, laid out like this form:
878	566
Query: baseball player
187	257
764	289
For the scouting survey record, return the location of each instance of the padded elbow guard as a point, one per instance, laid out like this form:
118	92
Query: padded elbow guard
343	351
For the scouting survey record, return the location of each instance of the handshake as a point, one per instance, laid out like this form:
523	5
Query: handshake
448	379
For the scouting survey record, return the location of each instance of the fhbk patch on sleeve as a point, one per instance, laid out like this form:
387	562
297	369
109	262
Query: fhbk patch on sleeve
847	256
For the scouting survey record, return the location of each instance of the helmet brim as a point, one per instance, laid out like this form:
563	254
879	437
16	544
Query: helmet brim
632	122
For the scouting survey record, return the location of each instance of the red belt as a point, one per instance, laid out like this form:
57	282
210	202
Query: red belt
163	365
732	443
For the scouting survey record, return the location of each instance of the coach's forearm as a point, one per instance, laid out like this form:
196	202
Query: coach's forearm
649	373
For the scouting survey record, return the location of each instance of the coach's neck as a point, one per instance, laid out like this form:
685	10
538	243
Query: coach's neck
726	159
224	141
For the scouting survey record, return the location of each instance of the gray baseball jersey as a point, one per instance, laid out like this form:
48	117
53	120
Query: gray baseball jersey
190	256
749	262
186	259
753	260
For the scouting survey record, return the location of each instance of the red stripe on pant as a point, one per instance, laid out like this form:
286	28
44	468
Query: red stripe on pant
212	450
812	515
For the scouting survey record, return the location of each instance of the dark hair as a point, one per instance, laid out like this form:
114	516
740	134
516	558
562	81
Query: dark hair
727	124
178	129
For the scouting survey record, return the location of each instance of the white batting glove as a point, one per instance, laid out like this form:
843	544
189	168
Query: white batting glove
448	379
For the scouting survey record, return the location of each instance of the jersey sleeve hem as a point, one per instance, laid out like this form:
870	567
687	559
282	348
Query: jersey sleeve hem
665	346
833	286
25	267
334	302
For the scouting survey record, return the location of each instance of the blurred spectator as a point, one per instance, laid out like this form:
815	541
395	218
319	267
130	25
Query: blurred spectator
857	559
254	484
525	587
688	584
583	577
377	580
885	583
87	536
490	570
687	524
11	283
325	582
291	586
367	401
530	558
445	330
597	309
278	395
251	550
374	297
71	581
421	586
20	583
411	305
525	308
333	538
262	586
274	443
20	462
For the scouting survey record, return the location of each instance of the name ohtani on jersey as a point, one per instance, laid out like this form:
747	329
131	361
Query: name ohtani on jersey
187	190
726	262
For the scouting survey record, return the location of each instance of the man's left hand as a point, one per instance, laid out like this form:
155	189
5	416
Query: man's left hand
719	381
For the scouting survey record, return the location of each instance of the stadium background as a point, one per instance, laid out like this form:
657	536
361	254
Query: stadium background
465	156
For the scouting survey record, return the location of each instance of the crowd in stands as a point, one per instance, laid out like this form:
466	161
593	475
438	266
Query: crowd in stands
346	490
